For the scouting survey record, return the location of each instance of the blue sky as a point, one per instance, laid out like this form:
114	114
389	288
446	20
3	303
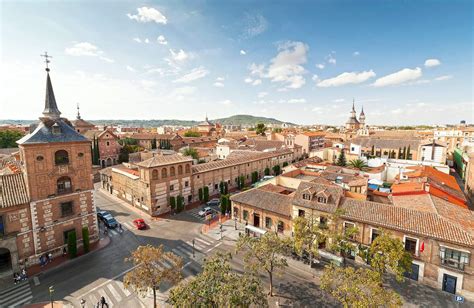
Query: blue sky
406	62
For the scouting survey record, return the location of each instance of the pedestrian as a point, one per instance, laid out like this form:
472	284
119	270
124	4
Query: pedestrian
103	302
50	257
15	278
64	251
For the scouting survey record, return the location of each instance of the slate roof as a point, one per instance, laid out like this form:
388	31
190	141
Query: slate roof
162	160
44	133
266	200
13	190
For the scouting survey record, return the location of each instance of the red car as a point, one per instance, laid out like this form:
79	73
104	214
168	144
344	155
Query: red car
140	224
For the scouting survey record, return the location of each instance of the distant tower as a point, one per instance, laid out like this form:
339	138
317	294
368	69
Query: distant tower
78	112
352	124
362	118
353	112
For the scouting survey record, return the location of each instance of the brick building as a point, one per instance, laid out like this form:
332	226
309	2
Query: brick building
108	144
56	197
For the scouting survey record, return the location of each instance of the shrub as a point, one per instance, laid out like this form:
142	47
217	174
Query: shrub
180	204
206	193
85	239
201	196
173	203
72	244
267	171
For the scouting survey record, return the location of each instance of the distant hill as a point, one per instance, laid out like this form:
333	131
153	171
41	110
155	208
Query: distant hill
240	119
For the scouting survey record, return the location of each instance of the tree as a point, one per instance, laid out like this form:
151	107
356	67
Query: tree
173	203
191	152
357	287
260	129
408	153
191	133
266	171
277	130
219	286
372	152
153	143
221	187
254	177
85	239
150	270
358	164
285	164
264	254
128	141
399	153
200	194
226	188
8	138
404	153
241	182
179	203
206	194
223	204
307	235
276	169
387	252
72	244
341	159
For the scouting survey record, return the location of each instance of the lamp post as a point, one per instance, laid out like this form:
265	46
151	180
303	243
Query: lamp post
235	222
51	290
221	230
193	248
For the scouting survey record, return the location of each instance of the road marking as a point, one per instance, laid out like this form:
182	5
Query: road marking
114	292
202	241
196	245
94	299
107	281
128	225
104	294
36	281
113	232
124	289
179	253
215	246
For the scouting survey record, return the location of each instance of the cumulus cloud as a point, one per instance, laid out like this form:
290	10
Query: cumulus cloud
220	79
287	67
346	78
331	58
179	55
107	59
194	74
444	77
243	52
146	14
320	66
147	41
162	40
257	82
248	80
218	84
257	70
262	94
432	62
87	49
137	39
254	24
399	77
130	68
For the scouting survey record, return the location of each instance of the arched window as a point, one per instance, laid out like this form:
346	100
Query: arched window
164	173
154	174
188	169
61	157
64	185
180	170
172	171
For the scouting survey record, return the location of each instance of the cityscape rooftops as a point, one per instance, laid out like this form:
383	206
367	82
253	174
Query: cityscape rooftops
13	190
162	160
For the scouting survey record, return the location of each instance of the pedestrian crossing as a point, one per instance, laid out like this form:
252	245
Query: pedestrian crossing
195	213
115	294
16	296
201	244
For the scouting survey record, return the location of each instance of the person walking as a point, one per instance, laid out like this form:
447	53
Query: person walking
103	302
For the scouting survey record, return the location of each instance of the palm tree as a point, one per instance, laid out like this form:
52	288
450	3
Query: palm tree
358	164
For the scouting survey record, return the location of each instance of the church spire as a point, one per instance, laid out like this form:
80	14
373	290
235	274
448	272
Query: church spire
78	112
50	108
362	111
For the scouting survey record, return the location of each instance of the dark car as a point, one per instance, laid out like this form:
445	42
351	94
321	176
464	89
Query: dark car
110	221
101	214
213	202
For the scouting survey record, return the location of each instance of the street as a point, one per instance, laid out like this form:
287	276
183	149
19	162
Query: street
100	273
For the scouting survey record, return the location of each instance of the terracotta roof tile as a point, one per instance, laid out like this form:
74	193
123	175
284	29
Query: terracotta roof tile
161	160
266	200
13	190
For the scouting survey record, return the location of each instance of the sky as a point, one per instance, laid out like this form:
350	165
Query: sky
406	62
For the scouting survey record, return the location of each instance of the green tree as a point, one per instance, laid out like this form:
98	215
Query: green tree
226	188
264	254
191	133
200	194
8	138
223	204
179	203
241	182
307	234
219	286
72	244
128	141
153	143
358	164
149	271
276	169
260	129
266	171
388	253
357	287
191	152
221	188
404	153
173	203
277	130
85	239
399	153
372	152
254	177
285	164
206	194
408	155
341	159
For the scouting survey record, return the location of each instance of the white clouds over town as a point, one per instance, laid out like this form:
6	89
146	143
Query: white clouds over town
146	14
399	77
346	78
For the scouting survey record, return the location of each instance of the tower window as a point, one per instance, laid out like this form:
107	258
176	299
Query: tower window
56	129
64	185
39	158
61	157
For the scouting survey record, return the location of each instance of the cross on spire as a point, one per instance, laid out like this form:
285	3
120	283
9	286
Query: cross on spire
78	113
46	59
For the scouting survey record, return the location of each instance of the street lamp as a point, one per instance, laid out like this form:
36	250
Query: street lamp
235	221
193	248
51	290
221	230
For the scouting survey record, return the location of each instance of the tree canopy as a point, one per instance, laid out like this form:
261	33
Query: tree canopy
260	129
191	152
191	133
8	138
358	164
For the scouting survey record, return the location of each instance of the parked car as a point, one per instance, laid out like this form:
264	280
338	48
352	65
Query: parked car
110	221
205	211
139	224
101	214
213	202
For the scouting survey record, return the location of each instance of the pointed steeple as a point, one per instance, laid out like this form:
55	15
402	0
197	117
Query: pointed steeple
353	105
78	112
50	108
362	111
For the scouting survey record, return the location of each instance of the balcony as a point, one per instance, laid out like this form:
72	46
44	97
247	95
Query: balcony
453	263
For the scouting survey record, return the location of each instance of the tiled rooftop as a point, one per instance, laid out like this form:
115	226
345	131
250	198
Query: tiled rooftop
13	190
162	160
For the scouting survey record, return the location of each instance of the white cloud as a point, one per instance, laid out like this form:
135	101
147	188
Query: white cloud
131	69
432	62
162	40
226	102
83	49
444	77
179	55
254	24
146	14
356	53
243	52
181	93
399	77
257	82
320	66
397	111
137	39
248	80
220	79
296	101
338	100
194	74
107	59
218	84
262	94
346	78
257	69
315	78
287	67
147	41
331	58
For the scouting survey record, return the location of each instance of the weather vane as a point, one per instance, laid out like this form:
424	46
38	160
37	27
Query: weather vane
46	59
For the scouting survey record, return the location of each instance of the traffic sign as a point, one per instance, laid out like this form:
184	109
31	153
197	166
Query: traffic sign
459	298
